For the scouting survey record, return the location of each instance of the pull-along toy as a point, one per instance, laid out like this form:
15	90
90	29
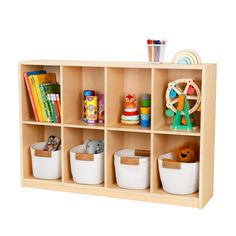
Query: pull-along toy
183	98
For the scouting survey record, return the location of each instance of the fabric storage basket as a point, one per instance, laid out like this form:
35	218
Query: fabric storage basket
177	177
86	168
45	164
132	168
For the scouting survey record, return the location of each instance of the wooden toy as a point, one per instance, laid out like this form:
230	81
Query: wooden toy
186	57
130	115
187	102
145	110
91	109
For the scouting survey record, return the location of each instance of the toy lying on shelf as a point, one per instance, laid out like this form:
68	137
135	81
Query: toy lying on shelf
130	115
183	98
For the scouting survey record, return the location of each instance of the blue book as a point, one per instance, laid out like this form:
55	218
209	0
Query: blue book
37	72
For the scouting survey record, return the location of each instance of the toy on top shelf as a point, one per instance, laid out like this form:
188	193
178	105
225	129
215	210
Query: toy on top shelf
186	57
92	109
130	115
156	50
183	98
101	104
87	93
145	110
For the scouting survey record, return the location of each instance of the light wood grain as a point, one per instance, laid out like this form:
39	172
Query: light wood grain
114	64
208	134
115	79
114	191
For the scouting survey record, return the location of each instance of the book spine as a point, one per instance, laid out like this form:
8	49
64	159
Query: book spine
35	97
44	116
45	103
58	102
27	82
57	108
54	120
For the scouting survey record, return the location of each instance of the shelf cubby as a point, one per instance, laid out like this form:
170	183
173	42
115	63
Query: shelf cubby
160	79
115	80
74	137
75	81
120	82
164	143
27	111
34	134
117	140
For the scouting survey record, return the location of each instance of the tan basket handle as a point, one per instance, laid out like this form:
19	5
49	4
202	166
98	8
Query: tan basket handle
129	161
43	153
171	164
144	153
84	157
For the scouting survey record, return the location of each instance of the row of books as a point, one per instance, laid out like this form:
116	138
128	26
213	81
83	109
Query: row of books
44	94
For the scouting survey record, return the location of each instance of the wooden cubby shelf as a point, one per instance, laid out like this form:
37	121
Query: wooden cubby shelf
115	80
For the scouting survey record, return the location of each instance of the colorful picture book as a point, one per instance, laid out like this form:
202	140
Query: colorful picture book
44	94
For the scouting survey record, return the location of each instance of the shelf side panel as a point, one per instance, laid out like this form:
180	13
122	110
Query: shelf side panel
207	134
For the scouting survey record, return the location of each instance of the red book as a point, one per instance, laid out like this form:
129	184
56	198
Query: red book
31	97
55	103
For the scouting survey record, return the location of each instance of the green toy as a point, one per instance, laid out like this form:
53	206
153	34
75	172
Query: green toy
186	101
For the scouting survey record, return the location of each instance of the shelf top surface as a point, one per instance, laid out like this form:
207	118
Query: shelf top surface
113	64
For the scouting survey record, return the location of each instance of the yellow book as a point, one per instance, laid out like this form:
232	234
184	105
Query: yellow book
36	81
35	97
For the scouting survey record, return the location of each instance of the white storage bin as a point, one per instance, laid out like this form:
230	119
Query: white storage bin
45	164
178	178
132	172
87	168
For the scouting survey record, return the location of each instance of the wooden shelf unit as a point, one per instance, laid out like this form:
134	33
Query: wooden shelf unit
115	80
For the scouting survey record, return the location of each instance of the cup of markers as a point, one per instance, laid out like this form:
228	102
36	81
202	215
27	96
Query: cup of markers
145	109
156	50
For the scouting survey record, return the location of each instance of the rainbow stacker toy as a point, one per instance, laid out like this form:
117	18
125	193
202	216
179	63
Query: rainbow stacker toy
183	98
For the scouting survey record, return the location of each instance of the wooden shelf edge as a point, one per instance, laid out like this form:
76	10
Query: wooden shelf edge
128	129
122	64
41	123
167	130
110	192
83	126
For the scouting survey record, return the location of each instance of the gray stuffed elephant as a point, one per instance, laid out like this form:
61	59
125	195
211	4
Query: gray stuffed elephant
94	146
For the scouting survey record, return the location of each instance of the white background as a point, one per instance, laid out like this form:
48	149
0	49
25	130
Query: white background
114	30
